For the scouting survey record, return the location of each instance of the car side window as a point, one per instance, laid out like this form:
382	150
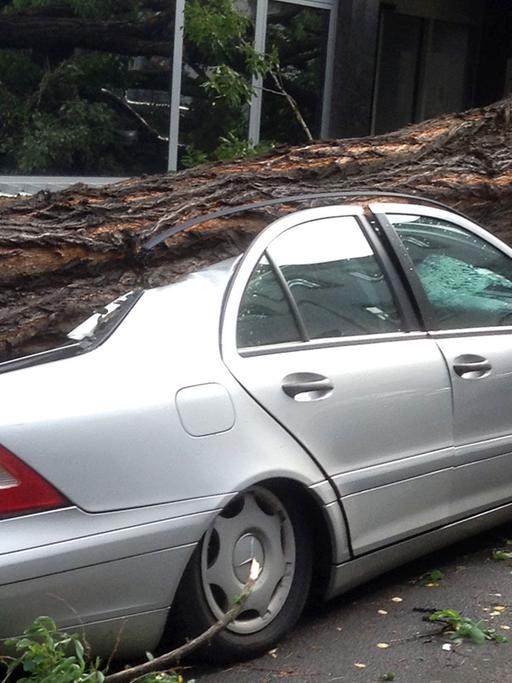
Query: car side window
333	280
468	281
265	316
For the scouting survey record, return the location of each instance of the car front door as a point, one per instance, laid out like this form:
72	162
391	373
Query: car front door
463	279
322	336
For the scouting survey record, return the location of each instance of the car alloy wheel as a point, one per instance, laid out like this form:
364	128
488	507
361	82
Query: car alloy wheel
255	526
271	527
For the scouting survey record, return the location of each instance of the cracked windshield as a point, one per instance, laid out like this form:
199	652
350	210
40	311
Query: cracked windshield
467	281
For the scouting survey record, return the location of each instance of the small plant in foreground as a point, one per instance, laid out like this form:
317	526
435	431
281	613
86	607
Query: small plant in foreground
46	655
459	627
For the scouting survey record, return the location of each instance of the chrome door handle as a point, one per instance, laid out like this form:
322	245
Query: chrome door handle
306	386
470	366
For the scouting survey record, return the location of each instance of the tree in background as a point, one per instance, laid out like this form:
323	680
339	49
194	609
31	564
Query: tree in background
64	81
84	84
297	35
220	63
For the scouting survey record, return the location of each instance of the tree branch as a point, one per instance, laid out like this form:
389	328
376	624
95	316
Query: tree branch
293	105
161	663
122	104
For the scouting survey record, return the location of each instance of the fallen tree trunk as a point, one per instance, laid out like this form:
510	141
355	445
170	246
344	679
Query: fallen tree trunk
64	253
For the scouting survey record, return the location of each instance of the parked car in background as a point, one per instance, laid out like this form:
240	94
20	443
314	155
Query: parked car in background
333	403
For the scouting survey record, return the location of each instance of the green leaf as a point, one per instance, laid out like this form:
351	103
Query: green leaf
477	635
436	575
463	627
500	639
501	555
432	578
449	615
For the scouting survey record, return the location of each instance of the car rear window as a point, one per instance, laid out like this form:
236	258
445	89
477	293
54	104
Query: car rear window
85	337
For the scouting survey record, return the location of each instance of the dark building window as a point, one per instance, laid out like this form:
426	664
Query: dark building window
425	67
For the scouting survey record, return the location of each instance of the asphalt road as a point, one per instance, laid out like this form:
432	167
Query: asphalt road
380	628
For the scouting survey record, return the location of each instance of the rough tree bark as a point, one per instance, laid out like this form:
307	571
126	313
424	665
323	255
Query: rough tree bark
64	253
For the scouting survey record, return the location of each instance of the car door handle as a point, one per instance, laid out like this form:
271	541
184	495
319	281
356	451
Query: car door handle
306	386
470	366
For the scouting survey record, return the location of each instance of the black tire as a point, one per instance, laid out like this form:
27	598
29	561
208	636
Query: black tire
193	612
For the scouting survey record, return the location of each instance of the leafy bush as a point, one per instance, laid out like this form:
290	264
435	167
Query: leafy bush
45	655
48	656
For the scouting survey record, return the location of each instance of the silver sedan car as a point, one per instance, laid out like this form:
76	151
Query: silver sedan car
333	403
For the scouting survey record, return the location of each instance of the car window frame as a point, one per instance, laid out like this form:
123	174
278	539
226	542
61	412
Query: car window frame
409	275
410	321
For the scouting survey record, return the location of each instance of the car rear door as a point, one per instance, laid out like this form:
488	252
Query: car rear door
463	281
319	331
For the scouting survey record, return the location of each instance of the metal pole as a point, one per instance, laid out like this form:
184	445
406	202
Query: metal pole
329	70
177	67
260	34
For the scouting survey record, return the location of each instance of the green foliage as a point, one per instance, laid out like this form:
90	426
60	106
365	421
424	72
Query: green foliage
221	63
224	83
53	126
67	111
52	118
432	579
69	140
193	157
501	555
232	147
48	656
229	147
60	108
215	28
259	64
459	627
18	72
45	655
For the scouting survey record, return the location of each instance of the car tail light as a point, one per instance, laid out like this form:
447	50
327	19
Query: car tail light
22	490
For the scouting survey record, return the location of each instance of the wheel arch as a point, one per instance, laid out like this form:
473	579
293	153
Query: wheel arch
330	540
326	540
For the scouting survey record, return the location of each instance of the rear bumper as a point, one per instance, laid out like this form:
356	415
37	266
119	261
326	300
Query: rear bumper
113	601
108	572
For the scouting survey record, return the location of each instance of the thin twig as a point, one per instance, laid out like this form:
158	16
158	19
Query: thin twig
123	104
85	642
162	663
3	661
293	105
116	647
